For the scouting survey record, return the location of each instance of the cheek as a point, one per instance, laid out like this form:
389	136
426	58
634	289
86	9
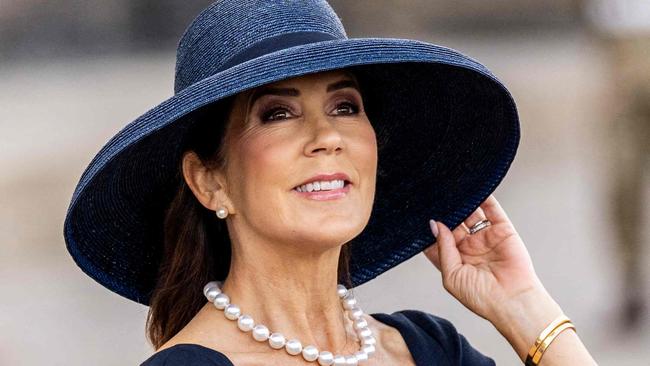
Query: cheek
362	146
264	164
364	153
371	141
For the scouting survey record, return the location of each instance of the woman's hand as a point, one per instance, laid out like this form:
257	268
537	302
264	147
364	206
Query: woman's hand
488	269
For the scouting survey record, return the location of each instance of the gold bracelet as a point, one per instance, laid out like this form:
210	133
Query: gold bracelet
547	341
545	338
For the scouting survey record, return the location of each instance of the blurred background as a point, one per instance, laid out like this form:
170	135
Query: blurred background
73	73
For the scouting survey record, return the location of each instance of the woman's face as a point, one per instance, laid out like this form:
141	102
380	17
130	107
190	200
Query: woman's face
293	131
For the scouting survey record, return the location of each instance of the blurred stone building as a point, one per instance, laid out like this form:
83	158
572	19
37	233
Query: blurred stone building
30	28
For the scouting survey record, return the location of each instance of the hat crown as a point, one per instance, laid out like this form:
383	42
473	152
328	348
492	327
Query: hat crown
229	32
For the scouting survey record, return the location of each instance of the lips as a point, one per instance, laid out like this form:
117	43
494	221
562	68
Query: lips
327	177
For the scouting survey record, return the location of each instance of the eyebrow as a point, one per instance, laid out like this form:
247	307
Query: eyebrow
292	92
345	83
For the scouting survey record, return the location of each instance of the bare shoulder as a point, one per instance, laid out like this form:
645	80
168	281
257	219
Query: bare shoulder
205	329
201	330
392	348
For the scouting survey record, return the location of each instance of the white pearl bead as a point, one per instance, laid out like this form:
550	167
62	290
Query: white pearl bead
222	213
349	302
310	353
209	285
351	360
341	291
339	360
361	356
360	323
293	347
277	340
245	323
364	332
212	293
232	311
369	349
325	358
368	340
355	313
221	301
260	333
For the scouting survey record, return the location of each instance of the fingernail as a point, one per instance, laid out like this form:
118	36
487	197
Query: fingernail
434	228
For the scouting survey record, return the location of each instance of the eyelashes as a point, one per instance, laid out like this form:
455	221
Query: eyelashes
281	112
272	113
353	107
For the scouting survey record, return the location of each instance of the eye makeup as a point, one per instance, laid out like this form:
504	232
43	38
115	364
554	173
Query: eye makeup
281	102
270	108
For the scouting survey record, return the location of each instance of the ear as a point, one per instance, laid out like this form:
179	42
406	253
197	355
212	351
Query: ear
208	185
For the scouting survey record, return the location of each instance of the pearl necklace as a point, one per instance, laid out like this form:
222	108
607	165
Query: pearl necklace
261	333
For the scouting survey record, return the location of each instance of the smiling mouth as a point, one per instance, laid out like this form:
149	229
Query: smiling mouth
316	192
323	186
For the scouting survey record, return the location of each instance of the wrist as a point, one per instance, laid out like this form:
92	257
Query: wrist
522	319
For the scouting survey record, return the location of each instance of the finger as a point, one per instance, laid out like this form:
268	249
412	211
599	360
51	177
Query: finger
447	252
431	252
460	232
474	217
493	211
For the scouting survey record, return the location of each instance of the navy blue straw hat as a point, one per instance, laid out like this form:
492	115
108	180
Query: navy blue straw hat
448	131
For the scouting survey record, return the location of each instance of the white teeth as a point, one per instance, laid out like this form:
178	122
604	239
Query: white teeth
325	185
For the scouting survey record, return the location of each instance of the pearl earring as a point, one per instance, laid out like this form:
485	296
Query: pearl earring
222	212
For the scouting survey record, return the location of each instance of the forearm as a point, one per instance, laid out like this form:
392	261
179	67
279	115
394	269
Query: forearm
521	322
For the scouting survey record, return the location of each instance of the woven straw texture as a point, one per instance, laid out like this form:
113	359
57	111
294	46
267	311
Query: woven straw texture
448	131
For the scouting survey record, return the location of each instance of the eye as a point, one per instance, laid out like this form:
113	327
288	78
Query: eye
274	114
347	108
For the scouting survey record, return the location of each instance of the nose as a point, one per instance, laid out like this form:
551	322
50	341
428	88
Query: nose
325	136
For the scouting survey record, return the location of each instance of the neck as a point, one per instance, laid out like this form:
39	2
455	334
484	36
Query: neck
293	294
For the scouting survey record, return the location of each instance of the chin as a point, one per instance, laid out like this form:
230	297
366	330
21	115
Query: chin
330	234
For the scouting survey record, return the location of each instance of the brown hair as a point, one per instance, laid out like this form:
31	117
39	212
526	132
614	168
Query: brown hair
196	243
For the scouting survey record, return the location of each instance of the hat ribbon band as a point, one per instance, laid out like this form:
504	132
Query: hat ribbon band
275	43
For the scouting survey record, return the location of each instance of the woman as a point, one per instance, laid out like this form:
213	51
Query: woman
293	164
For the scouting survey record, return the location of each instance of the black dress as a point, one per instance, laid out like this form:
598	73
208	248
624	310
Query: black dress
432	340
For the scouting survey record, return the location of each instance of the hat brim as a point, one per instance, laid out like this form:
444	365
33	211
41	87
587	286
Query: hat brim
449	131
